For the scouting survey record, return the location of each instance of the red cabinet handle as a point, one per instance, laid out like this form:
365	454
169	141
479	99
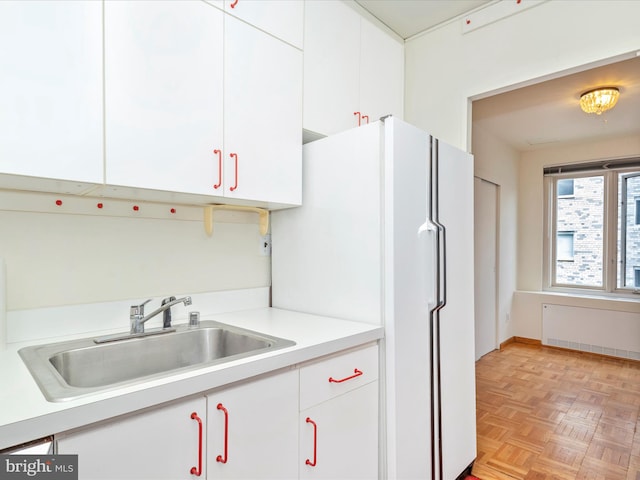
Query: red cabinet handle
356	373
367	117
235	2
235	156
220	458
315	444
359	117
219	153
198	471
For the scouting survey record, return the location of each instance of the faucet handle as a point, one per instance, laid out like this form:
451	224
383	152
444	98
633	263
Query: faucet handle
138	310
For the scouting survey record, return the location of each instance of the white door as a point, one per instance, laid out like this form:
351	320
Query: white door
486	207
157	444
51	90
262	116
252	430
339	438
163	95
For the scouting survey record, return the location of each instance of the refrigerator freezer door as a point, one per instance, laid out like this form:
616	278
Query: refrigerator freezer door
408	291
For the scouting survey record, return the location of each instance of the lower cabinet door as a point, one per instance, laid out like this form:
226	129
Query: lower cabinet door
163	443
339	437
253	429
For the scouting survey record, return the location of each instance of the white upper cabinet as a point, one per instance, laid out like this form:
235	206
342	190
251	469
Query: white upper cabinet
331	66
200	102
262	116
381	73
350	65
283	19
51	89
163	92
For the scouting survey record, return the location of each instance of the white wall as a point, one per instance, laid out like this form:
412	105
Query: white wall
444	67
55	259
498	163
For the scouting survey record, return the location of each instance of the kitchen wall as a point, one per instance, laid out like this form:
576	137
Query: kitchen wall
70	258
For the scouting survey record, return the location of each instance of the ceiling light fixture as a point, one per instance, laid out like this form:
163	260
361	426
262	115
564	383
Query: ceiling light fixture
599	100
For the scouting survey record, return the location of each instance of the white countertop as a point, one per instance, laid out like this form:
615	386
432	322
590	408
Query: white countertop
26	415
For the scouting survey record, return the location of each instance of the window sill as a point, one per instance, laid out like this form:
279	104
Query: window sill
613	301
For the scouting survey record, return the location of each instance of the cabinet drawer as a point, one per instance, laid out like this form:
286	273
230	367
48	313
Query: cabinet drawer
334	376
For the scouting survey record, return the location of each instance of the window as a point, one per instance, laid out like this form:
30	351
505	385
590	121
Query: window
565	187
593	229
564	246
629	229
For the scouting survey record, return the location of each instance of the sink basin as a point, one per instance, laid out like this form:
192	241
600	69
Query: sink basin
68	370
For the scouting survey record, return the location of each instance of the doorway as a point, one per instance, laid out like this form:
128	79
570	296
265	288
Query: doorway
486	196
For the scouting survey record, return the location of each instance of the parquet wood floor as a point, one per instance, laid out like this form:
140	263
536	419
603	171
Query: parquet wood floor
548	414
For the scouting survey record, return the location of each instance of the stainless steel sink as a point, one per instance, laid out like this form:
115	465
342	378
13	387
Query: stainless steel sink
68	370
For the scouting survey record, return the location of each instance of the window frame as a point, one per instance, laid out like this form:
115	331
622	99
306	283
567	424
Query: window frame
609	233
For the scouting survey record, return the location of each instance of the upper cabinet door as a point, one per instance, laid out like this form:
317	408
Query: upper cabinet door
283	19
163	91
350	65
262	116
51	89
381	73
331	66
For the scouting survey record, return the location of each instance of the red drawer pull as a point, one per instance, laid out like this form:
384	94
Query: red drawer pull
315	444
367	117
220	458
359	117
235	156
219	153
198	471
356	373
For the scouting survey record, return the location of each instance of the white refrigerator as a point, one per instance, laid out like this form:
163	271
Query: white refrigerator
385	236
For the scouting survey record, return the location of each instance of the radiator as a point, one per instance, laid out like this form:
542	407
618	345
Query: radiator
607	332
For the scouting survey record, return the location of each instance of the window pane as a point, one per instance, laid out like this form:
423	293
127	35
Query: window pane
565	187
581	215
564	249
628	229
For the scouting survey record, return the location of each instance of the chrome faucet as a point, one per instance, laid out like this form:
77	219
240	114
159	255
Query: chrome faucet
138	319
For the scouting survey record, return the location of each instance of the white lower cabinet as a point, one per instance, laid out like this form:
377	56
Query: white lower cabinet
339	432
252	429
319	421
157	444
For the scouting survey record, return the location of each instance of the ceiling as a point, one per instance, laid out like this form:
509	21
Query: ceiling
409	17
540	115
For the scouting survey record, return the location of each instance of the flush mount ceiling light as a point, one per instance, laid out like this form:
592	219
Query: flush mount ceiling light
599	100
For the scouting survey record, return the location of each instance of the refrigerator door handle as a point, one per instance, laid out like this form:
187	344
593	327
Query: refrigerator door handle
429	248
442	266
